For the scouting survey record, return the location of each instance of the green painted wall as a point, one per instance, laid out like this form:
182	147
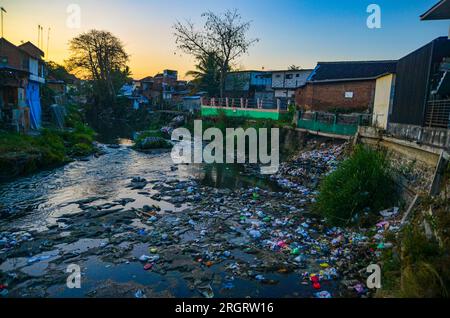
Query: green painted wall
337	129
244	113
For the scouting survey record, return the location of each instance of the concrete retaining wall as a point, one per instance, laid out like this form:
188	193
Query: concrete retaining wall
436	137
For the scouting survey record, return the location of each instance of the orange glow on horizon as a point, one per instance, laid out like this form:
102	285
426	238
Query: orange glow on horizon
146	59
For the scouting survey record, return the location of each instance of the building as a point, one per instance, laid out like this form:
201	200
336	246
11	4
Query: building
342	86
192	103
422	92
163	87
22	74
285	83
249	84
36	68
440	11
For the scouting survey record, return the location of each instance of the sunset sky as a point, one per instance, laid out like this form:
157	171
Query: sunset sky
299	32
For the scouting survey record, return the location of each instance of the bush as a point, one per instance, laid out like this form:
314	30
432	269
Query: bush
361	186
152	143
81	150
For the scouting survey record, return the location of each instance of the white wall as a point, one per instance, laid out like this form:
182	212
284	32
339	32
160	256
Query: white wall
289	79
383	100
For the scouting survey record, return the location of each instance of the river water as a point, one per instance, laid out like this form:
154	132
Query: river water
38	201
41	198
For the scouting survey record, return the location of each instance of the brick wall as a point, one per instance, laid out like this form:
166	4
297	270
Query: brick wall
329	96
14	55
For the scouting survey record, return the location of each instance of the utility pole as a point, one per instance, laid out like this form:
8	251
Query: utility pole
2	11
42	38
48	42
39	35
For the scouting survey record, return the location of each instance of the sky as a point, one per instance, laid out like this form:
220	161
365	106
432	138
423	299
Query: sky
290	32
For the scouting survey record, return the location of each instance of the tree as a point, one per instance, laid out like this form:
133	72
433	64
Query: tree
223	38
58	72
99	56
207	75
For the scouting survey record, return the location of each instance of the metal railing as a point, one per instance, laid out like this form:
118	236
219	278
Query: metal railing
438	114
342	119
250	103
337	124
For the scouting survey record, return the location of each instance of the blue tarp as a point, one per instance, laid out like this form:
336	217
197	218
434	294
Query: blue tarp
34	102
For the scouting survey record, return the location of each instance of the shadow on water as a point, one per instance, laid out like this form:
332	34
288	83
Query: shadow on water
109	132
229	176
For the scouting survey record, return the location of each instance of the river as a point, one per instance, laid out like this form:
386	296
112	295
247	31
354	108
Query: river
42	203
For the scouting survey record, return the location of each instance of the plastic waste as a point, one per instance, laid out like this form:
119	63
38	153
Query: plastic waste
139	294
255	234
323	295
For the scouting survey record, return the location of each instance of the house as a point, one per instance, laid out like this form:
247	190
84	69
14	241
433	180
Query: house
285	83
36	67
13	82
422	89
163	87
131	92
22	74
342	86
249	84
61	83
192	103
420	111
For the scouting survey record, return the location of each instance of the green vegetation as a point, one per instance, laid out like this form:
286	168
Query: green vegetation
361	186
22	154
151	140
420	266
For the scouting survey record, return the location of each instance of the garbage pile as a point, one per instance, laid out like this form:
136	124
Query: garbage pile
220	237
306	168
9	240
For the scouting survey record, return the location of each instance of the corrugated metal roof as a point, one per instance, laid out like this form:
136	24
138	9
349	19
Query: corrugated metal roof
440	11
351	70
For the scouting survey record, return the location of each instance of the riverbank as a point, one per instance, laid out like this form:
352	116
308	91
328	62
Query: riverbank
22	154
154	229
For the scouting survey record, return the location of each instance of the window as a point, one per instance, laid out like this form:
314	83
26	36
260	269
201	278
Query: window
278	76
289	76
297	75
348	94
25	63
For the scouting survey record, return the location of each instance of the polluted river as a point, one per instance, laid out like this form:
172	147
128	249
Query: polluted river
136	225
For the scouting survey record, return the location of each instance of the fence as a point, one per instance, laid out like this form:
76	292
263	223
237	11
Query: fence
245	108
281	104
438	114
336	124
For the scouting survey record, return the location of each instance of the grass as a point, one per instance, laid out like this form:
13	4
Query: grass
361	186
419	266
22	154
